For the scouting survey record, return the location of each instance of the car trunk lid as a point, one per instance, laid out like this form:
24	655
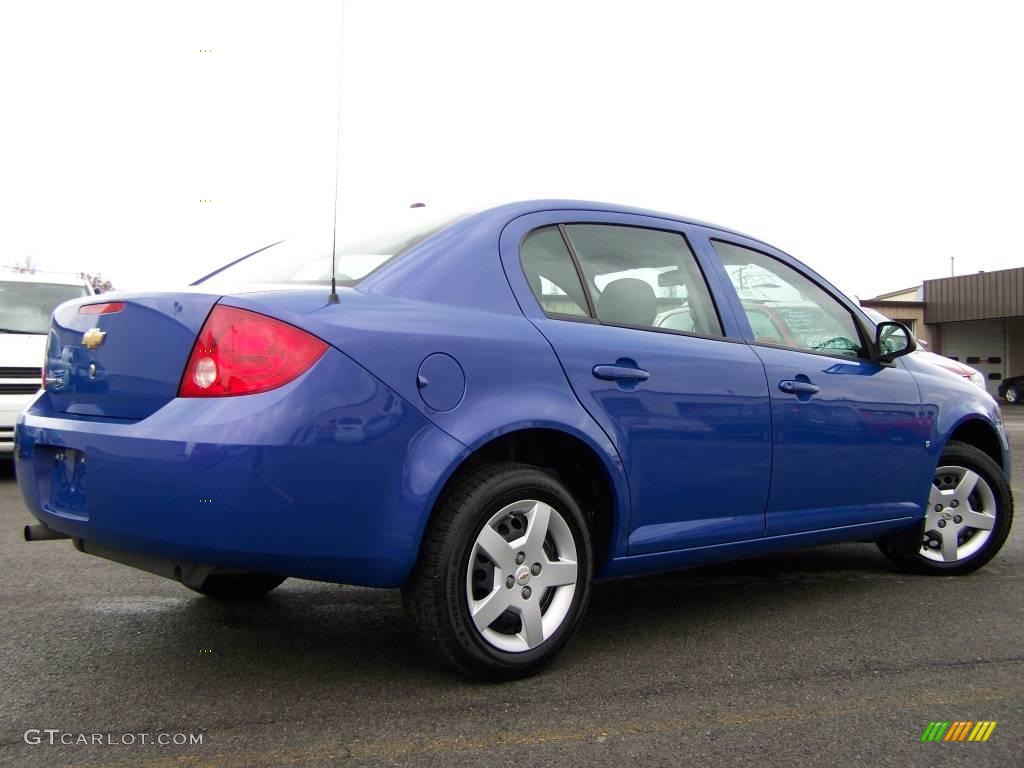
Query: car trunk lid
124	364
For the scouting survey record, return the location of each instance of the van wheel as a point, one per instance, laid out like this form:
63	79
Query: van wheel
504	572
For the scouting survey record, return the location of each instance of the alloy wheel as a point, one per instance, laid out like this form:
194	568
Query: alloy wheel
521	576
961	515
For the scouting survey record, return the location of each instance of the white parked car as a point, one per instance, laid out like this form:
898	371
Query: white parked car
26	303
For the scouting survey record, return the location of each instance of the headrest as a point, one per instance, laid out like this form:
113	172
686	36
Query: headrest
627	301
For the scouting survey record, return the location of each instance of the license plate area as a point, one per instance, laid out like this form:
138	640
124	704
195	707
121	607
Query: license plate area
68	489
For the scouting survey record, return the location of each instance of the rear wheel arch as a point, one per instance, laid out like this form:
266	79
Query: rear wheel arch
573	461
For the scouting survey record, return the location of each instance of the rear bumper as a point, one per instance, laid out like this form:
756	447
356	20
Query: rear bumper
331	477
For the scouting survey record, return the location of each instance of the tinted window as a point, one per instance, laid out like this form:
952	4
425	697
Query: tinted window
643	278
798	313
550	272
26	307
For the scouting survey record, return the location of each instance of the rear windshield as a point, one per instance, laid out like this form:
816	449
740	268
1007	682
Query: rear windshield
305	262
26	307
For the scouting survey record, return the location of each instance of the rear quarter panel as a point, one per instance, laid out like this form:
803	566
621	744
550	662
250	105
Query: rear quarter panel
513	380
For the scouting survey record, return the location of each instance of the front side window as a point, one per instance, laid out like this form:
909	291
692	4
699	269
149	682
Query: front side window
786	308
765	330
643	278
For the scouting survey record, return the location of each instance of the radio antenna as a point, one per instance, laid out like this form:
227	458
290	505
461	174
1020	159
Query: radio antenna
332	298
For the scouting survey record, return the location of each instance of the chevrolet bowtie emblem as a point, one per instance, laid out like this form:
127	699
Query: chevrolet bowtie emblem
93	337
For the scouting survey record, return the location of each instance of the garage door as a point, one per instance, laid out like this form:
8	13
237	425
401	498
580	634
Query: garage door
979	343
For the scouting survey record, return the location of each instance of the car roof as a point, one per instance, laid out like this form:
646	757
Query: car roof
453	248
514	210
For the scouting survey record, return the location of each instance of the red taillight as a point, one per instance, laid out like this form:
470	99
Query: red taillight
107	308
240	353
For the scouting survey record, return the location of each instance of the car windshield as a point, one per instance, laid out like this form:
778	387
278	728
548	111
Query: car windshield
303	262
25	307
874	316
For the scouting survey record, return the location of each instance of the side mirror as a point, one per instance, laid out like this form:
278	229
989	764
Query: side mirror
893	340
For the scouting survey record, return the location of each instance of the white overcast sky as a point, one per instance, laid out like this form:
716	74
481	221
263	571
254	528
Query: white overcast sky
872	140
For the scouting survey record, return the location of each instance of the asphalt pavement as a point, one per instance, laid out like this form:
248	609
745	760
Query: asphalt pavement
822	657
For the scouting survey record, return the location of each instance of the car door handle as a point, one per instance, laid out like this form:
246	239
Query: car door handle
620	373
797	387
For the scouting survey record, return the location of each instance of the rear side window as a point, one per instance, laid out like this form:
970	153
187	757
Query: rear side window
550	272
644	278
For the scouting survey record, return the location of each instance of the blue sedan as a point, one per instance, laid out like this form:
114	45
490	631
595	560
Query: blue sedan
490	413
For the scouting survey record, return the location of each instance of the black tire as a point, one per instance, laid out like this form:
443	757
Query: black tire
905	549
238	586
1012	395
436	595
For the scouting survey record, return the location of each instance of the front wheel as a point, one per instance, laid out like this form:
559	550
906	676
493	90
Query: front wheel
1012	395
503	577
970	510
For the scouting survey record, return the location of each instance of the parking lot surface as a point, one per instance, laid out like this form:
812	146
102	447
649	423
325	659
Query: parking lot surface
825	656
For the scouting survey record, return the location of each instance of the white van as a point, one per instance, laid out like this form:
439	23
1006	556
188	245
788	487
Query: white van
26	303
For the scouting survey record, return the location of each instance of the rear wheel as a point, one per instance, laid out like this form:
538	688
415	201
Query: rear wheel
1012	395
238	586
503	577
970	510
